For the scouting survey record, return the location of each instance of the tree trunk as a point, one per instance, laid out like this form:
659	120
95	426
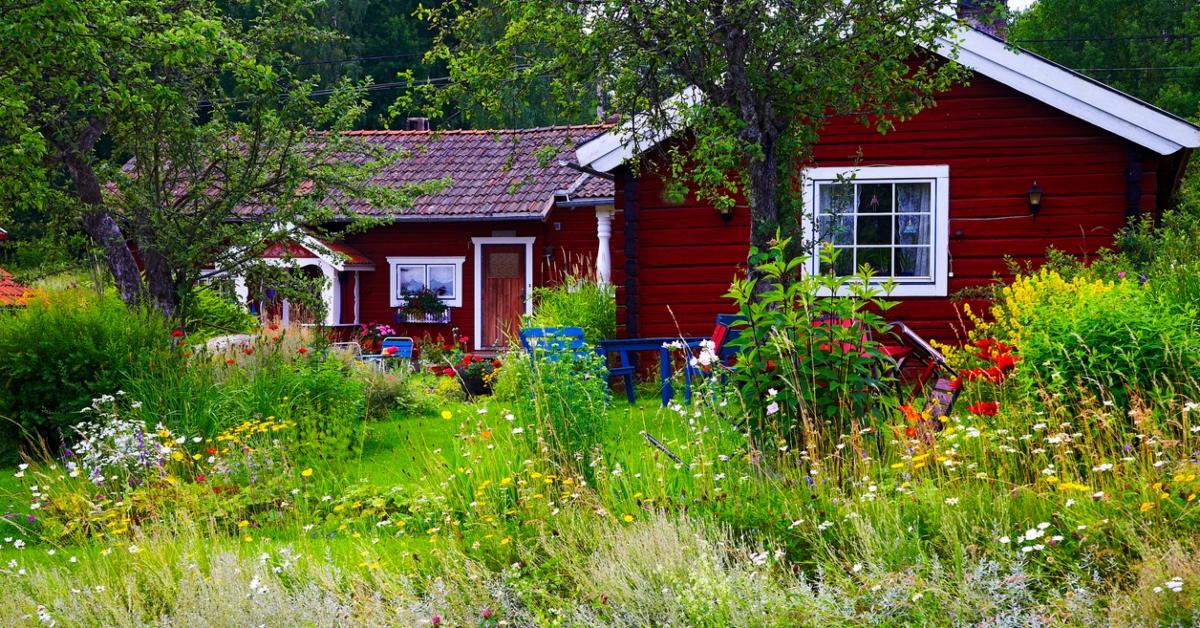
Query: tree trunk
763	194
105	231
161	283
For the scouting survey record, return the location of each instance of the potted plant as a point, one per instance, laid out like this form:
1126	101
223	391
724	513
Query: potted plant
371	335
475	373
422	306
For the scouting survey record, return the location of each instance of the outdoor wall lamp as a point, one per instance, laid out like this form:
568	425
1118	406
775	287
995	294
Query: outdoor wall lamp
725	212
1035	199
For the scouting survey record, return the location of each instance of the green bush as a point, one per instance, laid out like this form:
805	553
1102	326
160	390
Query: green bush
211	313
578	302
396	392
799	379
67	348
1095	332
567	392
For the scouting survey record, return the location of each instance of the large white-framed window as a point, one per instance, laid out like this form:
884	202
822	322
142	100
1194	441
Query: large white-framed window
895	218
443	275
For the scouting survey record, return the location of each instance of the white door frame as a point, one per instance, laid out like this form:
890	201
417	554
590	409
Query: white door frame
477	244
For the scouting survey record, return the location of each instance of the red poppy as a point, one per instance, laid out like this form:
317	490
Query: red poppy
770	365
303	350
1005	361
212	451
249	350
273	326
230	361
496	364
176	333
984	408
477	359
911	432
200	478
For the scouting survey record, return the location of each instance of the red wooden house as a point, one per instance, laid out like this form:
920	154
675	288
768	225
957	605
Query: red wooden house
513	218
937	204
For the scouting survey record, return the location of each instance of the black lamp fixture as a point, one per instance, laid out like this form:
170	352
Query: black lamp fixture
1035	199
726	212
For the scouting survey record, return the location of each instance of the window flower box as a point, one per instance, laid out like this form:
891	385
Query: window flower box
426	318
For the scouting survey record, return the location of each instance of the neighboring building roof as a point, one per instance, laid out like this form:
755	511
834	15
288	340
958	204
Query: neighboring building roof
11	292
1035	76
337	255
496	174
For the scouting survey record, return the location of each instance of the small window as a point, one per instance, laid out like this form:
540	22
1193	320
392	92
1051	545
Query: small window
893	218
442	275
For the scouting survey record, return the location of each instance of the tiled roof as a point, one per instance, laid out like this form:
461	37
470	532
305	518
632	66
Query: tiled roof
11	292
504	173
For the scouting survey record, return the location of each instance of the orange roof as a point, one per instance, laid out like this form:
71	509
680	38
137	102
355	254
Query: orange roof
11	292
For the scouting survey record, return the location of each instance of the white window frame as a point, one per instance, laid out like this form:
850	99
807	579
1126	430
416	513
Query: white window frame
395	262
938	175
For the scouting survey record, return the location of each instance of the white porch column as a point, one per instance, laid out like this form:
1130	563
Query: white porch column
331	293
604	216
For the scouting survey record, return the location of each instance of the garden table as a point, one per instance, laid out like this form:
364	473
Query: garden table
626	348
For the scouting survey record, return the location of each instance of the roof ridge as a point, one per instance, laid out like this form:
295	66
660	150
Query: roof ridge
520	131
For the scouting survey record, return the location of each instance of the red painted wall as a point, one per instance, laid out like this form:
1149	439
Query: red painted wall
996	141
574	238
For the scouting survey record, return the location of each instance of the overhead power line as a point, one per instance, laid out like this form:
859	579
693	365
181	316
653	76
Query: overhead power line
1085	38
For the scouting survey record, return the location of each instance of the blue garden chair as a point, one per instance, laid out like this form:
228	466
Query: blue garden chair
392	347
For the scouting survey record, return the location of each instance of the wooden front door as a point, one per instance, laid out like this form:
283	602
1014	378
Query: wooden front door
503	293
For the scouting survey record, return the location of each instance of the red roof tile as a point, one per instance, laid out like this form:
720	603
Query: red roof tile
503	173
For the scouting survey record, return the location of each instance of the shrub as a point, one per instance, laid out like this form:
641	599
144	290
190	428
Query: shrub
808	363
567	391
67	348
327	406
396	392
578	302
212	314
1093	331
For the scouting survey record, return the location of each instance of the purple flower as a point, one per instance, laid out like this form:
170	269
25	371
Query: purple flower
1121	274
30	518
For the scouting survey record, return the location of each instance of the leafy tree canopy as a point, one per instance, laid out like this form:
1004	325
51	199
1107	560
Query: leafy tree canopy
1147	48
151	123
753	80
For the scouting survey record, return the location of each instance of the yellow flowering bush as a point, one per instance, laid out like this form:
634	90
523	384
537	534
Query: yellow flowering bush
1095	331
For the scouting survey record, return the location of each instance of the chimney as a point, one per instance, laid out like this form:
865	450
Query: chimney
989	16
416	124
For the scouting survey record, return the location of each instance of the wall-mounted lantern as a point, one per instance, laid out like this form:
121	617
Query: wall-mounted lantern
1035	199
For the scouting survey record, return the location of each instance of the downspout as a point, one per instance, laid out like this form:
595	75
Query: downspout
631	253
1133	185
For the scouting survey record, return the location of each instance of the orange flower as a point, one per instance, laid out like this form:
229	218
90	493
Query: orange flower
486	434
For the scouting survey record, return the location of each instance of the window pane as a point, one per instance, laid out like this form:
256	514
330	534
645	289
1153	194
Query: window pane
912	198
844	265
410	279
835	229
912	229
834	198
874	230
912	261
879	259
875	198
441	280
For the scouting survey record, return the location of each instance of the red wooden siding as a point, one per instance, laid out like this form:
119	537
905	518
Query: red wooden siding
996	141
575	238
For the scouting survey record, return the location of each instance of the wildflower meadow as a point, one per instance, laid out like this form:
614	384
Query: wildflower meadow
280	482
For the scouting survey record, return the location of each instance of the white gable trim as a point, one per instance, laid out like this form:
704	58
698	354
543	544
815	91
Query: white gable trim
1068	91
1073	93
